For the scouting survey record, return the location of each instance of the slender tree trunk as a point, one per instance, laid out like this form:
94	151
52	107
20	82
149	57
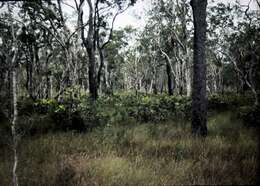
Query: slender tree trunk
92	78
29	74
199	110
188	82
15	112
51	86
89	44
181	78
14	134
105	75
169	81
102	71
151	86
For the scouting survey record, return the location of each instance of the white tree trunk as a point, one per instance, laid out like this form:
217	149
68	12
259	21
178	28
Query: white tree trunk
188	82
14	134
15	112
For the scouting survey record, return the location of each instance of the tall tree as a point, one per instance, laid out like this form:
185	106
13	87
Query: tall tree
13	62
199	109
94	42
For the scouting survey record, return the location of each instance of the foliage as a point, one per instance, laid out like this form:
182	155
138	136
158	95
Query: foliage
229	100
141	154
250	115
81	114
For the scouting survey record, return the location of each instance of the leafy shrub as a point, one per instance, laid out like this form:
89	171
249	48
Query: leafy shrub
25	106
89	111
217	102
35	124
45	115
83	114
228	100
250	115
44	106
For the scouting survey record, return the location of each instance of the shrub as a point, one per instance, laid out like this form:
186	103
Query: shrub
250	115
81	114
25	106
35	124
228	100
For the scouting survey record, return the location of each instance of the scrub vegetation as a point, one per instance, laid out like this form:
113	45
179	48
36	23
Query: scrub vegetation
173	102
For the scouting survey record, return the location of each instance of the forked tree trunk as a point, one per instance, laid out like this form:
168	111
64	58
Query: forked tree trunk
199	110
89	44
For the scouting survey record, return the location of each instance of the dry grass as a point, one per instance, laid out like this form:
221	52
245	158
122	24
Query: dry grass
147	154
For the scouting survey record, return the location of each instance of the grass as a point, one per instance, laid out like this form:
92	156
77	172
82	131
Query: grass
141	154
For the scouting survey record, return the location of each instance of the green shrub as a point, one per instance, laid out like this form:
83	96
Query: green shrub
25	106
83	114
250	115
35	124
228	100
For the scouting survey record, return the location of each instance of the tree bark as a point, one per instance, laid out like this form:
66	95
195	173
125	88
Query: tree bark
15	111
89	44
13	127
199	109
169	81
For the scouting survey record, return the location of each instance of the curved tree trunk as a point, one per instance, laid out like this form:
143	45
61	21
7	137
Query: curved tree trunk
199	110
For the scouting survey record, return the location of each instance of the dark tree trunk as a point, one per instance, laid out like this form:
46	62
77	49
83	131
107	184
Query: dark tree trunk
181	78
89	44
199	109
29	74
102	71
92	78
169	76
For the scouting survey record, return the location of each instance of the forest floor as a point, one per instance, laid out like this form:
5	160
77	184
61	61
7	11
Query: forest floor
141	154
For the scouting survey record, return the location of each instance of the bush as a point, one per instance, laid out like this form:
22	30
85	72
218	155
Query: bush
81	114
25	106
44	115
250	115
35	124
228	100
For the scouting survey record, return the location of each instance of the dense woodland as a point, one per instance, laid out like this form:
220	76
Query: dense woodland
175	102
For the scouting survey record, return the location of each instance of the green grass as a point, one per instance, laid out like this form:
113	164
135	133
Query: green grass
141	154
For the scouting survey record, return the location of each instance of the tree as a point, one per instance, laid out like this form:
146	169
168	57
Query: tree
93	41
234	45
13	58
199	110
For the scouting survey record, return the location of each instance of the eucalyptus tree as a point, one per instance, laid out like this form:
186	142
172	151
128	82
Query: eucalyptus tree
199	110
177	15
233	40
115	55
57	41
172	23
37	36
148	45
100	13
10	55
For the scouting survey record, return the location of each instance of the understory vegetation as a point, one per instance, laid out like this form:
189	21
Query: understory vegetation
167	97
82	114
139	154
126	139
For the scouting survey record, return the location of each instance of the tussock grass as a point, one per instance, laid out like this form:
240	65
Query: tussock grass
141	154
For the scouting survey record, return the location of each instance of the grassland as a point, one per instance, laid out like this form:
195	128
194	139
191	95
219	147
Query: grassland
139	154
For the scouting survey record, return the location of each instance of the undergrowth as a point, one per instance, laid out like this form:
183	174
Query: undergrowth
138	154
